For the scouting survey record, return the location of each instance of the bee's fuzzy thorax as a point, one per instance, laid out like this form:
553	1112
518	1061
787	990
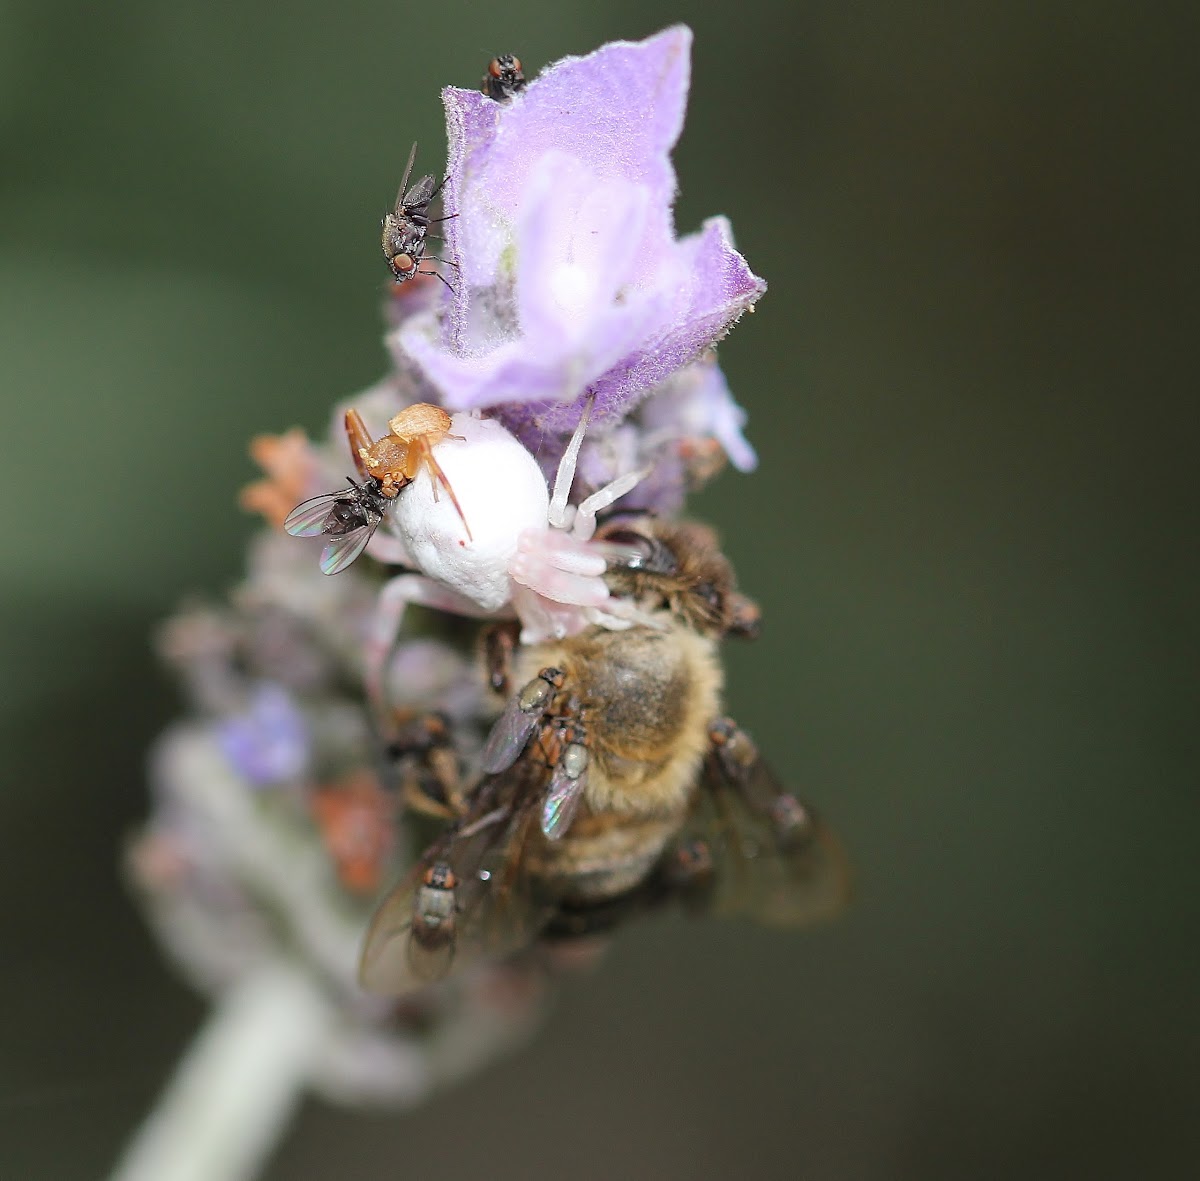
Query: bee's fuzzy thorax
647	697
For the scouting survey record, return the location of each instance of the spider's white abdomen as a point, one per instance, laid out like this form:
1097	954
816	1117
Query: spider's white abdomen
502	493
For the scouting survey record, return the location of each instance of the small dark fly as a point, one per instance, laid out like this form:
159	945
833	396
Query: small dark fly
347	517
504	78
405	228
433	931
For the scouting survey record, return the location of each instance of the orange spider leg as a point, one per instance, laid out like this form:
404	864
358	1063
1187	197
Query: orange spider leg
360	440
425	455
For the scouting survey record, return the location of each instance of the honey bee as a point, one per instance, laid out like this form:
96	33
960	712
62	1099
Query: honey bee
349	517
612	784
504	78
406	227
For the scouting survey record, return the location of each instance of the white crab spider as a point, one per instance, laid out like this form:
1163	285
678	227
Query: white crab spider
531	554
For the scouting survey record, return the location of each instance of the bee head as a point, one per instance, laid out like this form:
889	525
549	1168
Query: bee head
679	566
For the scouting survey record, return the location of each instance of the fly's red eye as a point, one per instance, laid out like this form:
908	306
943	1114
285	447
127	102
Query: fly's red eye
516	64
402	263
494	67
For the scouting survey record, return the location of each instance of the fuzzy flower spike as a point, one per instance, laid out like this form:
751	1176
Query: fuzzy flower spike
570	368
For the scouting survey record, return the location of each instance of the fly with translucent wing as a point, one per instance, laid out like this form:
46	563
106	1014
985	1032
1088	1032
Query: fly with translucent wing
347	519
612	785
406	227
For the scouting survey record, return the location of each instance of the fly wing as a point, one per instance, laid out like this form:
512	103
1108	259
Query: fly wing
339	552
510	735
562	801
418	197
308	519
496	911
412	155
772	858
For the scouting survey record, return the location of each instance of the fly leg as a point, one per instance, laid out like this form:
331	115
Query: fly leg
384	626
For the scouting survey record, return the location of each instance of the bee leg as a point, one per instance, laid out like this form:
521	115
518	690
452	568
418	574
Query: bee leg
498	642
737	759
745	617
430	777
417	800
688	863
389	614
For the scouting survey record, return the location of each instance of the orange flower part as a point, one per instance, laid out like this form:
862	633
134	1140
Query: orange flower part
355	817
289	463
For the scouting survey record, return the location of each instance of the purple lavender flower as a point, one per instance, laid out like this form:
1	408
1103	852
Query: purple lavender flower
269	743
571	278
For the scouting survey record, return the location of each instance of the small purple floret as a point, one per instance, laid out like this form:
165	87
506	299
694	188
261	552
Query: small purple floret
269	743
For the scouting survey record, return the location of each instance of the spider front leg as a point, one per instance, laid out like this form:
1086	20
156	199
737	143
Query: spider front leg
384	626
555	564
584	525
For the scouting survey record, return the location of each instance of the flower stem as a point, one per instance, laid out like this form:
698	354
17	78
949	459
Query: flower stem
239	1082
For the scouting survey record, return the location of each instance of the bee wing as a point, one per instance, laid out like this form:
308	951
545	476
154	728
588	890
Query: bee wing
773	859
496	913
510	735
339	552
308	519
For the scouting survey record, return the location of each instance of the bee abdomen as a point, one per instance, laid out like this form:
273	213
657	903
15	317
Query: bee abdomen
601	856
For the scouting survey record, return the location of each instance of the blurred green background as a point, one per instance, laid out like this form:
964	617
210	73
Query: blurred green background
967	387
